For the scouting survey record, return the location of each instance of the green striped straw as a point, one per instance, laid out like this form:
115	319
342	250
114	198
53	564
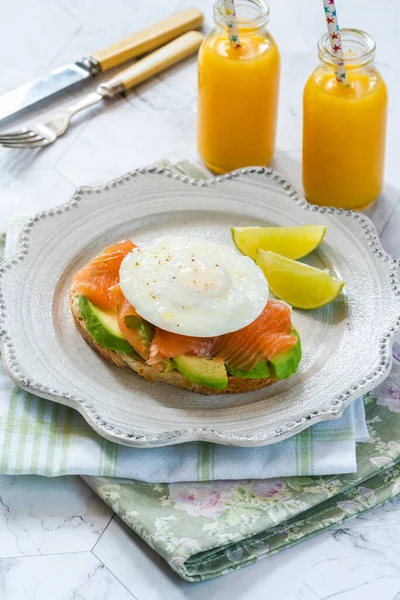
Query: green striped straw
233	31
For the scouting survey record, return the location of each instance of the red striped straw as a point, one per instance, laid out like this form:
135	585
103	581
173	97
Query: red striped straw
233	31
335	40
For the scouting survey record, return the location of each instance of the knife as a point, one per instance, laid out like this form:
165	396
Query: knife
63	77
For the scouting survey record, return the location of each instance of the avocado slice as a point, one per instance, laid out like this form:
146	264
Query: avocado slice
146	330
210	372
169	366
260	371
284	364
103	327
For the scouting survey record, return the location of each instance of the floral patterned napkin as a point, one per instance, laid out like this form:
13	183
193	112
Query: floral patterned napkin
208	529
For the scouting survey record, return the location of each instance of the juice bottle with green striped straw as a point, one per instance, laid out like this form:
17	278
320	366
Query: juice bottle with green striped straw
239	70
344	120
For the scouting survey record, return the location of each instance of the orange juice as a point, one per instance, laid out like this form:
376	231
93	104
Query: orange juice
238	94
344	128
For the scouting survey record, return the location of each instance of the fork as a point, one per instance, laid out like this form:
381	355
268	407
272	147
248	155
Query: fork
43	134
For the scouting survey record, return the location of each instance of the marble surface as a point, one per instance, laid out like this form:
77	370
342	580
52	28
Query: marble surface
57	539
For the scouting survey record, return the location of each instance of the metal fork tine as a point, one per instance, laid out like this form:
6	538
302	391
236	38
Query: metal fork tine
18	133
30	140
36	144
20	136
34	138
18	139
21	145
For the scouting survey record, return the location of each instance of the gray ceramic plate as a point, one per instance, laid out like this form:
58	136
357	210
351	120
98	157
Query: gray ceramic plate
347	345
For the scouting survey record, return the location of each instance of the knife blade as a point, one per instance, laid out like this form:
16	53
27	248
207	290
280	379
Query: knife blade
63	77
42	87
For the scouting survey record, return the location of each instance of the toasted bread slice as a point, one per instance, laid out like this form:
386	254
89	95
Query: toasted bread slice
236	385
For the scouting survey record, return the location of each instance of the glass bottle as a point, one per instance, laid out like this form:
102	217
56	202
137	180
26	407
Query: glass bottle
238	90
344	126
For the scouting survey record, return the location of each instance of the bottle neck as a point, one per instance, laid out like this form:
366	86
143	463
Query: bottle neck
358	49
252	16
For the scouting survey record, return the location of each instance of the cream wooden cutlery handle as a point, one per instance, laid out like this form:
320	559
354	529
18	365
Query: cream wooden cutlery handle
157	61
149	39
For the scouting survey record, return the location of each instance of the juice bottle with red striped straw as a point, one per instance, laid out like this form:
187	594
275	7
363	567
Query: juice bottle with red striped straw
344	120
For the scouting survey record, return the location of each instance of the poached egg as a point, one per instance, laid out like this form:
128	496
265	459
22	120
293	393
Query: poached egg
192	286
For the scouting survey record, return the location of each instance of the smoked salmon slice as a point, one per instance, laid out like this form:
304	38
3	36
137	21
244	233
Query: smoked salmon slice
96	278
125	309
268	335
167	345
265	337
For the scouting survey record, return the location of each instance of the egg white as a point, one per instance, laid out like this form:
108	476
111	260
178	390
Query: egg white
193	286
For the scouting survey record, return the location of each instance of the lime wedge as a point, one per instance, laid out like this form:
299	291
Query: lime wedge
298	284
292	242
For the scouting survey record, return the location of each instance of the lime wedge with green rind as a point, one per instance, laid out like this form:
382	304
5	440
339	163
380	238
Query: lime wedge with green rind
298	284
292	242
